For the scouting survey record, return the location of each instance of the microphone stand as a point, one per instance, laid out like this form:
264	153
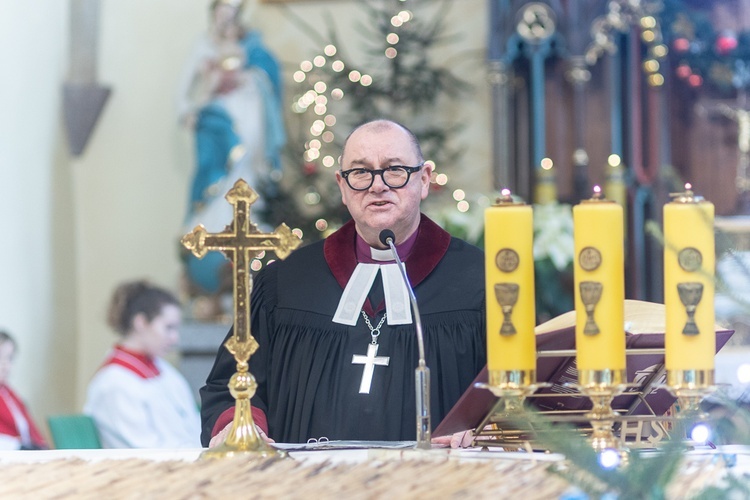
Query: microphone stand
422	373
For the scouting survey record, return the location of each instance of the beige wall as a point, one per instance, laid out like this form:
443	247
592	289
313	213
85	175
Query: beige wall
75	227
37	267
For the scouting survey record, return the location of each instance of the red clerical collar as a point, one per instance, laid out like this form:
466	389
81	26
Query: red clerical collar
364	254
429	247
137	362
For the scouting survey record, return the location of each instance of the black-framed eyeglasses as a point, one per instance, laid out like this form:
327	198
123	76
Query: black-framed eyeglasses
395	176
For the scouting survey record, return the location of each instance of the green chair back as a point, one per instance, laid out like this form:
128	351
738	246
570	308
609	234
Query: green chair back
73	432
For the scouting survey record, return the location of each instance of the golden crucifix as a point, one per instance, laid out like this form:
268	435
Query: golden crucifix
241	242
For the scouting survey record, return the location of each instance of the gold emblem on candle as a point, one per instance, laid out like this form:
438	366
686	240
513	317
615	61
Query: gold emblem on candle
591	292
590	258
507	260
690	259
507	296
690	296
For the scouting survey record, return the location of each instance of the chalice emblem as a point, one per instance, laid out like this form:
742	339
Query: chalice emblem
507	296
690	296
591	292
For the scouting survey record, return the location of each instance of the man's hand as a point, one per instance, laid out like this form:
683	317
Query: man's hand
222	436
461	439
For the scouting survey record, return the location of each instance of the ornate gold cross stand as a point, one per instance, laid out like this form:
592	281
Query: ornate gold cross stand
241	242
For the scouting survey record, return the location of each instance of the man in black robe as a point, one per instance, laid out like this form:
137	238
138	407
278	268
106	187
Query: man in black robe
338	347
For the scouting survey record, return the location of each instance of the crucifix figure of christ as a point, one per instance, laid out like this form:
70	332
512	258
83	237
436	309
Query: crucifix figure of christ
241	241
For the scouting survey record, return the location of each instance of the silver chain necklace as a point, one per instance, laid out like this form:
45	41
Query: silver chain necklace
374	332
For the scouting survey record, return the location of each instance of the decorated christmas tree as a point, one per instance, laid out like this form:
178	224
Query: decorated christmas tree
394	75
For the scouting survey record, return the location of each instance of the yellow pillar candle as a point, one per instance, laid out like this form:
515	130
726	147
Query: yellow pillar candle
599	284
689	262
509	275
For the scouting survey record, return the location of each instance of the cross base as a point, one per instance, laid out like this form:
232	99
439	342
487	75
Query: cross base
243	438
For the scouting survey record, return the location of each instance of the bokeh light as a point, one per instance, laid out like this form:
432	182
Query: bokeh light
701	433
609	458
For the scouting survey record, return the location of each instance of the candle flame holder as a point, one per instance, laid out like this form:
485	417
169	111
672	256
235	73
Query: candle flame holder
601	387
690	387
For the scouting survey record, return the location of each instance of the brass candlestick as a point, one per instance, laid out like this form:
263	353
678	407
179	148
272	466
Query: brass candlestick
601	387
512	387
690	387
241	242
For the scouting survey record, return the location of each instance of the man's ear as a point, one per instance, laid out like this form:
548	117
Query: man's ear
140	322
425	177
342	186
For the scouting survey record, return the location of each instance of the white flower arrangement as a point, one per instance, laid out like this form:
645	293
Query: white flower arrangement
553	234
553	229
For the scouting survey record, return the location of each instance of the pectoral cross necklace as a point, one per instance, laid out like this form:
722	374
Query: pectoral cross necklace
372	358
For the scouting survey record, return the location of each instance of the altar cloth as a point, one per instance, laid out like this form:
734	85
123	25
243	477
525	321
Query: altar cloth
351	473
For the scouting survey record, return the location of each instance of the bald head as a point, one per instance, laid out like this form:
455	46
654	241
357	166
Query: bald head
383	125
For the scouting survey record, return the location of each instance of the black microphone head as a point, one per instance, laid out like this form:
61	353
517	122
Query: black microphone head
385	235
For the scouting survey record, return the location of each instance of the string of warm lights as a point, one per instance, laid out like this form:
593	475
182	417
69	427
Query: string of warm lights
621	15
316	99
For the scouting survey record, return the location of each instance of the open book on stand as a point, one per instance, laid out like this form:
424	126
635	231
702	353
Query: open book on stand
644	330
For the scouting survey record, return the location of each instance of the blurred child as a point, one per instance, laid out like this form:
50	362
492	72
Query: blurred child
136	398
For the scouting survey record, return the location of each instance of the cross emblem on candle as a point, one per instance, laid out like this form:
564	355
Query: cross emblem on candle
370	360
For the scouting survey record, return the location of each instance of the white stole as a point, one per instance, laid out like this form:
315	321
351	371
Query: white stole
360	283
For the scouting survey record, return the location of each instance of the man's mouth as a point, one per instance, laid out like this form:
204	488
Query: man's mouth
380	203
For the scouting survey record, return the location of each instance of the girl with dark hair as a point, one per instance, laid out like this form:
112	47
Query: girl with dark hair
136	398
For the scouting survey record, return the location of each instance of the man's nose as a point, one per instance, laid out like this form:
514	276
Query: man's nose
378	184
